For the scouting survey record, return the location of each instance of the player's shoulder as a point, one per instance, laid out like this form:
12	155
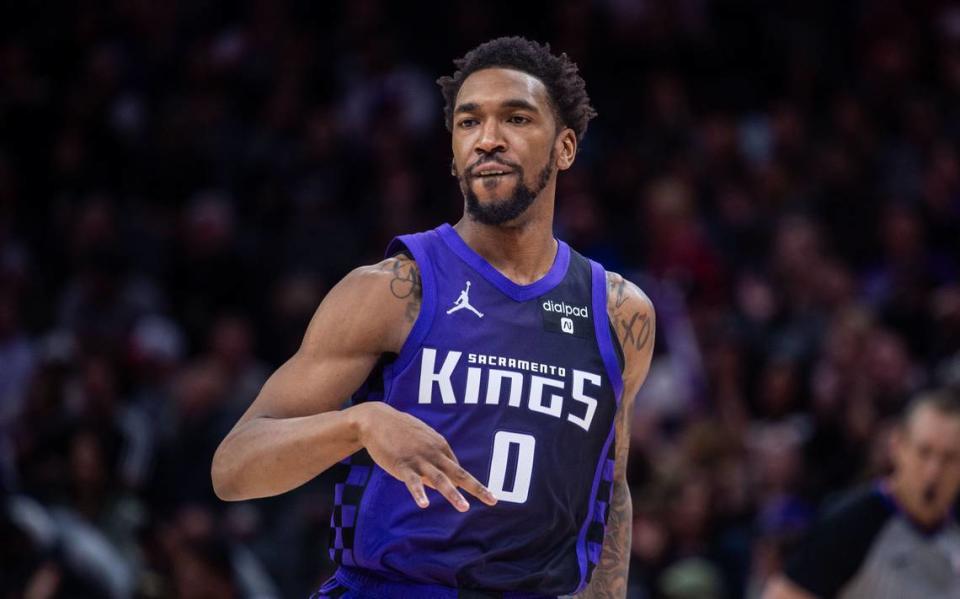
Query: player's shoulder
394	278
374	304
400	266
622	292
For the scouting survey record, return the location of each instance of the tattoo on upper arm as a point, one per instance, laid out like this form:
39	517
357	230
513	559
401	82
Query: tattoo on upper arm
406	284
639	338
634	327
621	298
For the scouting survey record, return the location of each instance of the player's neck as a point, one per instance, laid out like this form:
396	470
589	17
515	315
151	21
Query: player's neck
523	252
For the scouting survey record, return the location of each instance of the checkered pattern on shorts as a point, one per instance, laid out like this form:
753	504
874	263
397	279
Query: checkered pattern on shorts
355	474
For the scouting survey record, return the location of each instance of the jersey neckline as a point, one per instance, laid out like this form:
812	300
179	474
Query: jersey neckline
520	293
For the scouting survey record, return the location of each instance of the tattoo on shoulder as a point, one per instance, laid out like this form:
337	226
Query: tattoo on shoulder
634	327
405	283
621	298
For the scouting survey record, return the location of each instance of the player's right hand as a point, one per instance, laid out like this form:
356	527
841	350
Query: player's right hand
415	454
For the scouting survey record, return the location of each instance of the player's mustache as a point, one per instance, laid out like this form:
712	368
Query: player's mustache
491	159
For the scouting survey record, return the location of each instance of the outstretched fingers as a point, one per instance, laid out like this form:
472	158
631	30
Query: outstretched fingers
414	484
444	474
468	483
435	478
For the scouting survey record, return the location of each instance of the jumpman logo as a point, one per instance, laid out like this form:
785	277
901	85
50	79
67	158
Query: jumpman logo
464	302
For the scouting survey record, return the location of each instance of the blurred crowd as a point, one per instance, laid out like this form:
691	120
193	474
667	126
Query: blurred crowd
181	182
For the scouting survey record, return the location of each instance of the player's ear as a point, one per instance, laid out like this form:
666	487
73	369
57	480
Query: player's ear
453	167
565	148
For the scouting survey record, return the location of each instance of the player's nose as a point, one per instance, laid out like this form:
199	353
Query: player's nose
490	139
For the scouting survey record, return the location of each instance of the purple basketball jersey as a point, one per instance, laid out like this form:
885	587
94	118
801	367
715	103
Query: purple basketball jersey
523	381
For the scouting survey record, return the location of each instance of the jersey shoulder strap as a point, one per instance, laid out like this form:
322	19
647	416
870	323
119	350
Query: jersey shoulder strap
609	345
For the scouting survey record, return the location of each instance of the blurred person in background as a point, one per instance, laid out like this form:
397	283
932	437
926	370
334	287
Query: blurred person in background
498	284
897	539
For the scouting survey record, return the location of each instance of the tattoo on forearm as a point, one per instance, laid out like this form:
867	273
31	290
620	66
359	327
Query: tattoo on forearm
406	284
610	578
612	573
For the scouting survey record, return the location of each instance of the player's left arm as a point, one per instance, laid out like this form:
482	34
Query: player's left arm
632	316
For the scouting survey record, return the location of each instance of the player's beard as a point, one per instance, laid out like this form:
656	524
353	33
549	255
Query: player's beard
930	493
500	211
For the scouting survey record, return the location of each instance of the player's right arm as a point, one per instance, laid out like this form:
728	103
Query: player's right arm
295	429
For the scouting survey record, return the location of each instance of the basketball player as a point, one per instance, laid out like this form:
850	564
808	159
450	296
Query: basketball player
896	540
492	370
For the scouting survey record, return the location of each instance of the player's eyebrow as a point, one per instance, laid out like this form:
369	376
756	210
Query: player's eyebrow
518	103
511	103
467	107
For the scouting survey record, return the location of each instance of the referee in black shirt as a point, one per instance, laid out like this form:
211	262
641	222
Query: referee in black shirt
897	539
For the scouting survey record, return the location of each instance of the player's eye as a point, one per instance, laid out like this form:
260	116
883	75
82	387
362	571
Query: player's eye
466	123
518	119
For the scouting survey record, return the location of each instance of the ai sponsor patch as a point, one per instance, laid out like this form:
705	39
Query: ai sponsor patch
566	318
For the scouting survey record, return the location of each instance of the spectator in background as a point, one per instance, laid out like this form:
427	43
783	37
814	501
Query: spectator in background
897	539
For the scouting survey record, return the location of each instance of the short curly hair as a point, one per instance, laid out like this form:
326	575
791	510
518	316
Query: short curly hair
565	87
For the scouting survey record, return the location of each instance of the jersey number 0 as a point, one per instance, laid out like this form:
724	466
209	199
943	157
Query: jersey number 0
498	466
